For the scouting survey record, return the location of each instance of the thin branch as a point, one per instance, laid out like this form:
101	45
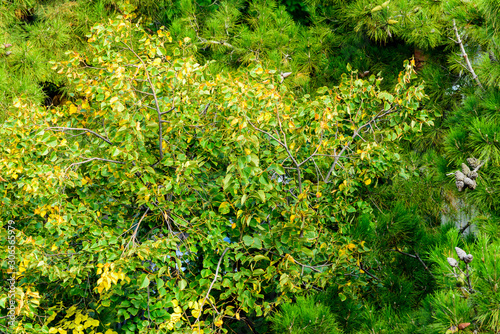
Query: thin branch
297	166
94	159
464	54
212	284
314	153
415	257
204	41
462	230
356	134
165	112
265	132
204	112
160	132
61	128
149	314
363	268
134	235
142	92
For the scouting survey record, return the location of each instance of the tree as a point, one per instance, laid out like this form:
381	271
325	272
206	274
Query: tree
167	197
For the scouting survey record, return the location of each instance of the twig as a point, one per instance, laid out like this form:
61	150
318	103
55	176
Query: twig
464	54
60	128
149	314
363	268
462	230
160	132
94	159
135	231
415	257
356	134
212	284
285	146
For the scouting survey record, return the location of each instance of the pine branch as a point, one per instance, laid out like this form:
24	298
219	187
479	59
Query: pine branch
464	54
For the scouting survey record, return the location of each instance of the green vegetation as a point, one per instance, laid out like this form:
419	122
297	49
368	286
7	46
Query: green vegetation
250	166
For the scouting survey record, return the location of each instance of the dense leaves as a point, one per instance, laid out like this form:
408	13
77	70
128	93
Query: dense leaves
167	196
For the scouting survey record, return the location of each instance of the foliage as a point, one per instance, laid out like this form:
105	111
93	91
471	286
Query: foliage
305	315
167	196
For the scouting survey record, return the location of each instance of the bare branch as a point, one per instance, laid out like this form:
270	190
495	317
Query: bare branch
212	284
356	134
415	257
166	112
94	159
60	128
297	166
134	235
314	153
160	132
267	133
464	54
142	92
204	41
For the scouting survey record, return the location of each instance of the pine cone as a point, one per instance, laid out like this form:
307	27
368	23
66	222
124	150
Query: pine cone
460	185
459	176
461	253
452	262
468	258
473	175
465	169
473	162
470	183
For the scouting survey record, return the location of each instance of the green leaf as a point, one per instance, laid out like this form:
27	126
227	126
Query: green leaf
145	282
248	240
116	152
262	196
258	272
159	283
307	251
182	284
226	181
260	257
224	208
119	106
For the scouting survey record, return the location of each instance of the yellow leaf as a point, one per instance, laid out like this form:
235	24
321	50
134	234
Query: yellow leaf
259	71
54	247
351	246
368	181
233	225
218	323
247	151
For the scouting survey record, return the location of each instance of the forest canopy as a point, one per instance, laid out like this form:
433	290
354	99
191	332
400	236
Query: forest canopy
249	167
